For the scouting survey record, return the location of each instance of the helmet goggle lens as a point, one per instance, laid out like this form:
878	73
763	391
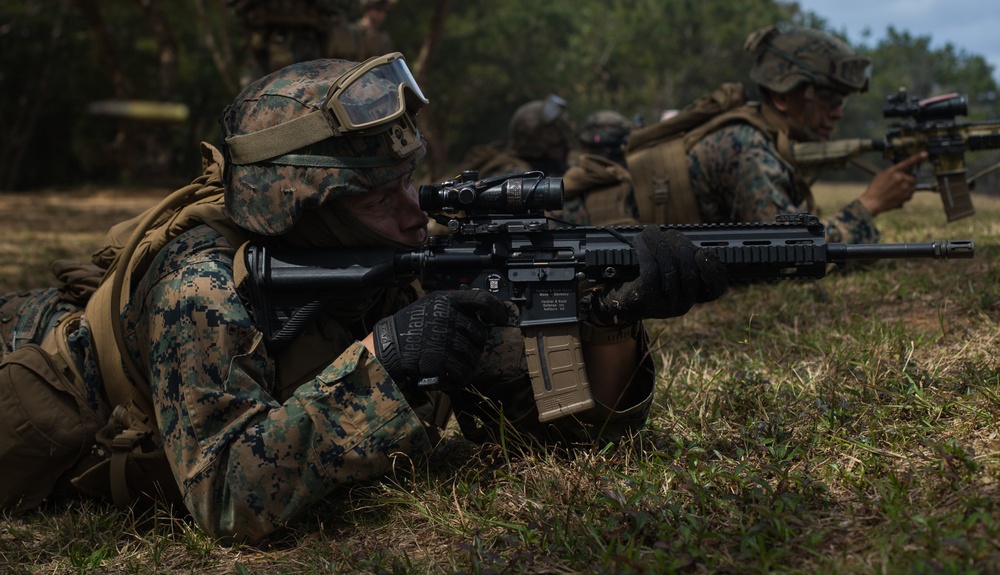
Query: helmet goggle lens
853	72
553	108
374	94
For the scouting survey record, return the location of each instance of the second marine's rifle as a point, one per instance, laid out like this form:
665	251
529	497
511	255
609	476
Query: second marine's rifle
923	125
505	245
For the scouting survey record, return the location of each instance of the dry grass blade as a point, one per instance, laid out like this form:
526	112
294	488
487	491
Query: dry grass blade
850	425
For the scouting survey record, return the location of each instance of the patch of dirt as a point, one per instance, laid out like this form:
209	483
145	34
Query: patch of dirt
40	227
77	210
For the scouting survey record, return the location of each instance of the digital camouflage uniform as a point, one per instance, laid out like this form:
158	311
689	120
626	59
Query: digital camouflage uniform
737	175
246	457
255	436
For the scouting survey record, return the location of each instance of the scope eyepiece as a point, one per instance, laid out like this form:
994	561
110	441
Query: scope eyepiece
530	192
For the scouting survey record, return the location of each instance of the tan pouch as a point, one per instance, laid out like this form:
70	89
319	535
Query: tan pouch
128	465
46	426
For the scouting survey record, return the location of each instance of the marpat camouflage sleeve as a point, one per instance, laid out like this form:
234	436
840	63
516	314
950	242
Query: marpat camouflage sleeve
247	464
738	176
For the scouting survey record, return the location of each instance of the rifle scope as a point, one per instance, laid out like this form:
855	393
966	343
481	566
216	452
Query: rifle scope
511	194
944	107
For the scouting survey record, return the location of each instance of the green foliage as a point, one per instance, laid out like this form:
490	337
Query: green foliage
635	56
40	82
49	57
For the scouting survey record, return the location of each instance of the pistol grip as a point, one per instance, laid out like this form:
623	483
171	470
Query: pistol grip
558	375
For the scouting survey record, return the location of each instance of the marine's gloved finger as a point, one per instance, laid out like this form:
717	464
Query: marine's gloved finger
713	276
482	305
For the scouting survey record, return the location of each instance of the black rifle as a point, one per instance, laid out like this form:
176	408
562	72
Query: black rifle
504	244
922	125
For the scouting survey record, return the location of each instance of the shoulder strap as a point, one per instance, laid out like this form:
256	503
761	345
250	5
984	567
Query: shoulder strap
726	97
660	171
657	157
198	203
761	117
592	171
662	186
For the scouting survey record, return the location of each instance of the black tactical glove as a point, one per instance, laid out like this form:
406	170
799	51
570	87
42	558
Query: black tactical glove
437	340
674	274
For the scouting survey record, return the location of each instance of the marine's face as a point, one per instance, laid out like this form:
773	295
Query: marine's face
392	210
816	118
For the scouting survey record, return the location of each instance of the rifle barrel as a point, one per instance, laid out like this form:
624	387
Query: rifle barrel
939	250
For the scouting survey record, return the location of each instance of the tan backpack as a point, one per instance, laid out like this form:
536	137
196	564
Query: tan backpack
657	154
118	456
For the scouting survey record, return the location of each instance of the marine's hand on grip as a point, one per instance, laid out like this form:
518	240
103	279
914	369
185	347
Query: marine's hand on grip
436	341
674	275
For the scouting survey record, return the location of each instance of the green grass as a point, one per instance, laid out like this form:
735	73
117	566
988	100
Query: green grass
848	425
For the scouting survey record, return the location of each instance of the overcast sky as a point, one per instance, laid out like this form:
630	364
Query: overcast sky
972	25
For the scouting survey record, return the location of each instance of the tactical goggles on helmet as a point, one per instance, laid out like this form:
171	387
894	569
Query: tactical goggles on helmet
369	98
553	108
847	73
851	71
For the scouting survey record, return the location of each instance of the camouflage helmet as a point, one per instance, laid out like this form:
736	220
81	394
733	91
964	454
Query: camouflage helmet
314	131
605	128
787	56
539	125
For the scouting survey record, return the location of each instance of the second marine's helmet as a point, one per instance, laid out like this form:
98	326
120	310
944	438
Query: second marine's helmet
786	57
605	128
538	126
318	130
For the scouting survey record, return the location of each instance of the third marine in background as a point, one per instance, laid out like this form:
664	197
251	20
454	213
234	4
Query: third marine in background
539	137
598	188
737	166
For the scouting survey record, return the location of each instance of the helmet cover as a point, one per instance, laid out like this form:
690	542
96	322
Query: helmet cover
786	57
605	128
267	197
539	125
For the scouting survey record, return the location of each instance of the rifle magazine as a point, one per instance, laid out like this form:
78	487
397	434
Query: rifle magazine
558	374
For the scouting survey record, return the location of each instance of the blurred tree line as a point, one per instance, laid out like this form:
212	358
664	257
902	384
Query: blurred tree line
476	61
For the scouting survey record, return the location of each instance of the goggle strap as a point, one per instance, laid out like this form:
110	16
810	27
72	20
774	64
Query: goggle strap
808	67
797	61
312	161
277	140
